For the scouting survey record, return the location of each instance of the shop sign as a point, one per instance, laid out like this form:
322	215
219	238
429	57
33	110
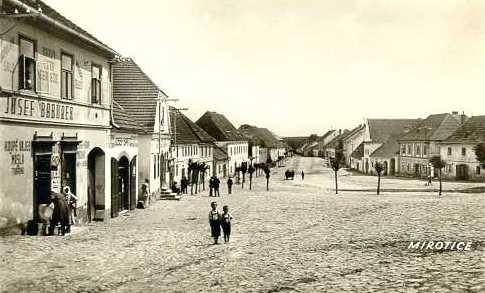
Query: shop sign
129	141
17	150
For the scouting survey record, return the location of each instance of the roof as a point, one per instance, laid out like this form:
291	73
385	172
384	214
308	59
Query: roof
219	154
326	134
382	129
354	131
135	92
358	153
388	149
187	131
334	142
472	131
219	127
123	121
435	127
49	12
265	136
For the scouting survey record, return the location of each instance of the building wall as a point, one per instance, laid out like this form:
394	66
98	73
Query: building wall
351	143
195	152
237	152
369	148
474	171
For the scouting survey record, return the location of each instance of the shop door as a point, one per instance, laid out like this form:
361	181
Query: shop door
114	188
133	184
123	184
462	172
69	171
42	182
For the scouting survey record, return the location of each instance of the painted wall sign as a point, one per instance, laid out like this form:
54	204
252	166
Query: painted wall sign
17	149
116	140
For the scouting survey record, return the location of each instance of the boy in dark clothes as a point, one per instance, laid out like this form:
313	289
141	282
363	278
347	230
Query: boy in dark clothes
226	223
215	222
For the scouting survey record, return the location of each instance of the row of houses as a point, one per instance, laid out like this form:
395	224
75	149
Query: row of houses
405	146
75	113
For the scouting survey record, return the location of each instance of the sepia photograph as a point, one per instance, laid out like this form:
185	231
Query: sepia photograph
242	146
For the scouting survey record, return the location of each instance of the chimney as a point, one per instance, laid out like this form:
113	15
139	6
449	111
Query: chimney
454	113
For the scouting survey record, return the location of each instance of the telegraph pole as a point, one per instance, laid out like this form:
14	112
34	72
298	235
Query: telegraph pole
162	162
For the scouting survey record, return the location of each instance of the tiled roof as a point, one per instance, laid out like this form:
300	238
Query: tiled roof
435	127
354	131
135	92
327	134
262	134
218	126
358	153
219	154
387	150
56	16
123	120
382	129
187	131
335	141
472	131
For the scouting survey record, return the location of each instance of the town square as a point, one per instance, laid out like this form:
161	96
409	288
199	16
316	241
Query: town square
242	146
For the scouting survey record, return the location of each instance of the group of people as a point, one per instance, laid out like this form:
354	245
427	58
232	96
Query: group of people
219	220
63	206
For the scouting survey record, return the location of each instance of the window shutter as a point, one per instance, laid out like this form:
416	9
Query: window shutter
22	72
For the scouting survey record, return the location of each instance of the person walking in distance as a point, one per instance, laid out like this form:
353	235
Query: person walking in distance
226	223
302	175
183	184
211	185
217	183
229	185
215	222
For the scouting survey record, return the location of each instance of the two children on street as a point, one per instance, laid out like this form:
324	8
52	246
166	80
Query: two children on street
218	220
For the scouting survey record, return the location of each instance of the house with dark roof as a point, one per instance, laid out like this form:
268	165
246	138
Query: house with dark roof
227	137
267	145
351	141
191	144
423	142
146	104
458	151
55	95
378	132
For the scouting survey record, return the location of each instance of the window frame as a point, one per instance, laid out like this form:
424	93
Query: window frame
34	53
65	53
99	67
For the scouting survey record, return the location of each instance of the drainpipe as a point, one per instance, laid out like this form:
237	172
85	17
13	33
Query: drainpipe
62	26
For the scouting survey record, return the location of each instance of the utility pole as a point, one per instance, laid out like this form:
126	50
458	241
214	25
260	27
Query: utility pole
175	112
162	163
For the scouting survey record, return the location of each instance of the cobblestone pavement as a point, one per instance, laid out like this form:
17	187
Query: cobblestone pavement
297	237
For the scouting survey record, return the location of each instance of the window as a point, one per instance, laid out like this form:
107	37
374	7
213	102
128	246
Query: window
409	149
449	151
403	149
425	150
463	151
477	170
26	64
95	84
418	150
66	76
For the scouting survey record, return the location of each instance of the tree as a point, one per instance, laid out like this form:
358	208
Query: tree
267	171
379	168
244	169
439	164
337	162
480	153
251	170
192	167
313	137
203	167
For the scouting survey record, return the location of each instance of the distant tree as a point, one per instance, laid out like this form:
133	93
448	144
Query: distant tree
337	162
267	171
313	137
244	169
439	164
379	168
480	153
251	170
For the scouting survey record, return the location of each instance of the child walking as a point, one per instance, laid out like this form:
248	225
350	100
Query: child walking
215	222
226	223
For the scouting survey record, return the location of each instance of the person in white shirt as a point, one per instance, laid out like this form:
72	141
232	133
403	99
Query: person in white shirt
215	222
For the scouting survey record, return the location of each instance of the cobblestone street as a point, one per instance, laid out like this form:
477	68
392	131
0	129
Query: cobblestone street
298	237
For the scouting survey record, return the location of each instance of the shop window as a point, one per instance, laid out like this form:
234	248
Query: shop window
66	76
27	64
96	84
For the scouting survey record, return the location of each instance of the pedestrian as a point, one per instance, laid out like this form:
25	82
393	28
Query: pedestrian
147	184
215	222
183	184
302	175
226	223
71	201
60	214
229	185
143	200
211	185
217	183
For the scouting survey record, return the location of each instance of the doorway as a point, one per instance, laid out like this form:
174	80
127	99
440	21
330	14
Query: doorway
96	185
132	203
461	172
42	182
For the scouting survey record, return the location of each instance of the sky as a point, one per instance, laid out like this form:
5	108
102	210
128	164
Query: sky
300	66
